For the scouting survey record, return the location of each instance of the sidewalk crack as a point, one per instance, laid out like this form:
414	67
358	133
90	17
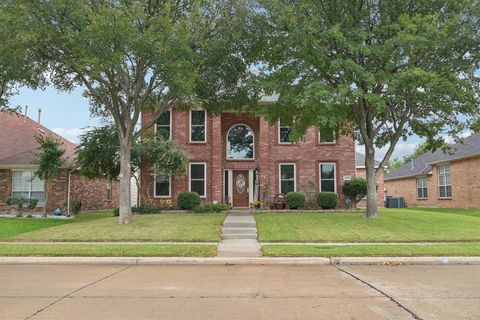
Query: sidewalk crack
75	291
398	303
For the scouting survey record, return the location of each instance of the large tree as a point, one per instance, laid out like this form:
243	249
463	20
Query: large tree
383	69
136	56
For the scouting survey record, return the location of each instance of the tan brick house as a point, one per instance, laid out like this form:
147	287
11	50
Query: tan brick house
236	157
18	149
439	179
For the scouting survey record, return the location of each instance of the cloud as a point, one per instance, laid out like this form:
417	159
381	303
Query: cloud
401	150
464	134
71	134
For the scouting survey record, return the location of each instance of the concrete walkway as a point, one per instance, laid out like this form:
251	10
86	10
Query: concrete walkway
239	235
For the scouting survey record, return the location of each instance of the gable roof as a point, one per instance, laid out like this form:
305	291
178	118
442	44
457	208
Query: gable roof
422	165
360	160
18	146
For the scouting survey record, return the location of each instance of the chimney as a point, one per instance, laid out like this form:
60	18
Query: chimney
26	110
39	115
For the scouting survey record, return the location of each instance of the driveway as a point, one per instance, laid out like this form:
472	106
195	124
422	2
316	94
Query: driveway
238	292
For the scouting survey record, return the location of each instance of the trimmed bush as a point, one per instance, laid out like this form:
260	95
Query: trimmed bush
188	200
116	212
327	200
211	208
355	189
76	206
295	200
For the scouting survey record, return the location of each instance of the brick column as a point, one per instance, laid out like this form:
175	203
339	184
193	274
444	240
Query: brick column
215	176
263	156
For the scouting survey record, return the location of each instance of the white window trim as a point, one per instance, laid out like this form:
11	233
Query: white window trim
278	135
226	143
425	186
30	183
170	126
190	127
155	187
334	176
446	185
204	178
280	175
334	139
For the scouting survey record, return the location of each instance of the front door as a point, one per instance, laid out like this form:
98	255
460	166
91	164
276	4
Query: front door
240	188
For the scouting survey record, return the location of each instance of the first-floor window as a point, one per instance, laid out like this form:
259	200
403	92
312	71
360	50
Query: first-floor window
327	177
27	185
109	190
287	178
198	178
162	186
422	191
444	181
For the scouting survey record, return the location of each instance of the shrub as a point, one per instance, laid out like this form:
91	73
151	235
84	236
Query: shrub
148	210
295	200
327	200
309	189
76	206
188	200
19	203
32	203
355	190
211	208
116	212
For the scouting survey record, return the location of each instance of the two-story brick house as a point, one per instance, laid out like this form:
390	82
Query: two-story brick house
234	157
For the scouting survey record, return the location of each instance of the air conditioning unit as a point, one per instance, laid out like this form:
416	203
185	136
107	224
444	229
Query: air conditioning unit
395	202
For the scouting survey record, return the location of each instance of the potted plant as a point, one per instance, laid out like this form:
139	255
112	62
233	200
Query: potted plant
280	201
256	204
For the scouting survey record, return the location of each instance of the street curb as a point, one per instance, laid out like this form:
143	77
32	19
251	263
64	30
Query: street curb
240	261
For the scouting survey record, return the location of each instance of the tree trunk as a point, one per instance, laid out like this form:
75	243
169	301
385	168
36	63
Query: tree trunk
124	177
372	209
46	199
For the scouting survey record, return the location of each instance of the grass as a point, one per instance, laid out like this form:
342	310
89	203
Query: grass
467	249
110	250
393	225
465	212
103	227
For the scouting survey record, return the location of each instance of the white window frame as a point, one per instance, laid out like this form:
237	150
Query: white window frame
423	186
170	126
445	185
334	137
280	175
29	184
334	176
204	177
190	127
226	143
109	190
278	134
155	187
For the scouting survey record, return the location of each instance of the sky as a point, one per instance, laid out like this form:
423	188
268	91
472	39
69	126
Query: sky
68	115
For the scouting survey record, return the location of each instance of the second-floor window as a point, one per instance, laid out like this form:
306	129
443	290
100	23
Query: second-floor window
240	143
198	132
422	191
326	135
444	181
163	126
284	133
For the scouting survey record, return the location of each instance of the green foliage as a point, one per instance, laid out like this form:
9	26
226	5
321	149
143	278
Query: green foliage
211	208
149	210
32	203
327	200
188	200
76	206
309	189
295	200
116	212
20	204
355	189
397	163
49	157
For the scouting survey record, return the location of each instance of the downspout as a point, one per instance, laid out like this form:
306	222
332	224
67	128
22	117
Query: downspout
69	189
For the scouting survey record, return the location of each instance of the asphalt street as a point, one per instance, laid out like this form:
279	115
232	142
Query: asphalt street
239	292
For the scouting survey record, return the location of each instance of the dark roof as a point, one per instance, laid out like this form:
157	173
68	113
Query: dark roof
422	165
18	146
360	160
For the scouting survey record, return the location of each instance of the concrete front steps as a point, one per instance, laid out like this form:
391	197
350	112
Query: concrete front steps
239	236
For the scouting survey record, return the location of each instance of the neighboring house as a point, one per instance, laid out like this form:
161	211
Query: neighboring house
235	158
440	179
361	172
18	149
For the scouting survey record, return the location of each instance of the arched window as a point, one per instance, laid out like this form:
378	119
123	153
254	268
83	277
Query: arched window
240	142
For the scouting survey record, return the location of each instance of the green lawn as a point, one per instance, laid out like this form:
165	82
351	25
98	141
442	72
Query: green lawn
110	250
103	227
466	212
393	225
464	249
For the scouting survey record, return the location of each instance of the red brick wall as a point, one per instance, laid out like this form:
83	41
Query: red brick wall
92	193
361	173
307	155
465	176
